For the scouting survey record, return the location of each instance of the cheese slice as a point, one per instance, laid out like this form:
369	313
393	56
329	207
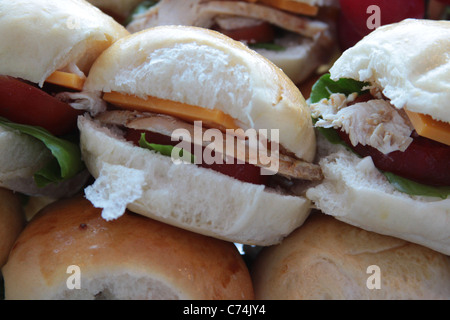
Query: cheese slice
210	118
292	6
66	79
429	128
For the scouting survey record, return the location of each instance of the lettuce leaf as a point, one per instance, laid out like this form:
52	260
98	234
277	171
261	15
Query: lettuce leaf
165	150
267	46
67	160
322	89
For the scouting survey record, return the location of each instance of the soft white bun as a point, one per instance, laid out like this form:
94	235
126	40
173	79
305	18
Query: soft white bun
42	36
301	57
12	222
21	157
131	258
184	195
329	259
355	191
204	68
408	60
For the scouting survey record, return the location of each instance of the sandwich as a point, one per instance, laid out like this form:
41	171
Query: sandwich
385	135
327	259
46	52
202	133
67	251
297	35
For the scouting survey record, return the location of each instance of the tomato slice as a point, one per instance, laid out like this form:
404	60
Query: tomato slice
424	161
26	104
260	33
243	172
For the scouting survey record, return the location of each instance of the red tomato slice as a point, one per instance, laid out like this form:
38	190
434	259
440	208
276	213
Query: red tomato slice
261	33
23	103
243	172
424	161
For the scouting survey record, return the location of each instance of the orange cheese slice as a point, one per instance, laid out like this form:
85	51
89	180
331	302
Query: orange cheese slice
429	128
66	79
292	6
210	118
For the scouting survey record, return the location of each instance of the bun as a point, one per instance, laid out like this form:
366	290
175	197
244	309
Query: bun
12	222
131	258
329	259
355	191
62	34
301	55
201	67
408	61
184	195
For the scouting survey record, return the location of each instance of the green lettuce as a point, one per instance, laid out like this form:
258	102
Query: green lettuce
66	161
322	89
267	46
165	150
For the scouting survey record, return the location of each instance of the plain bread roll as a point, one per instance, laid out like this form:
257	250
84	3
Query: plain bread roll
328	259
131	258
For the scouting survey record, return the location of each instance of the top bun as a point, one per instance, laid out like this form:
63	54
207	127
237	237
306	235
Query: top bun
42	36
408	60
204	68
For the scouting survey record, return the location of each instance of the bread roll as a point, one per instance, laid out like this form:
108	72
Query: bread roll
328	259
130	258
12	222
42	36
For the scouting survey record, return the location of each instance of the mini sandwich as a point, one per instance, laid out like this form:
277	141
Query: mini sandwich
67	252
46	51
297	35
202	133
327	259
385	105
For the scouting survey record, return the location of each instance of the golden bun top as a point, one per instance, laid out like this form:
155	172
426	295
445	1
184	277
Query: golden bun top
133	257
42	36
204	68
408	60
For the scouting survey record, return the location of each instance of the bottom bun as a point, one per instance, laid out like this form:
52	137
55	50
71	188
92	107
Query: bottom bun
68	244
356	192
329	259
184	195
12	222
